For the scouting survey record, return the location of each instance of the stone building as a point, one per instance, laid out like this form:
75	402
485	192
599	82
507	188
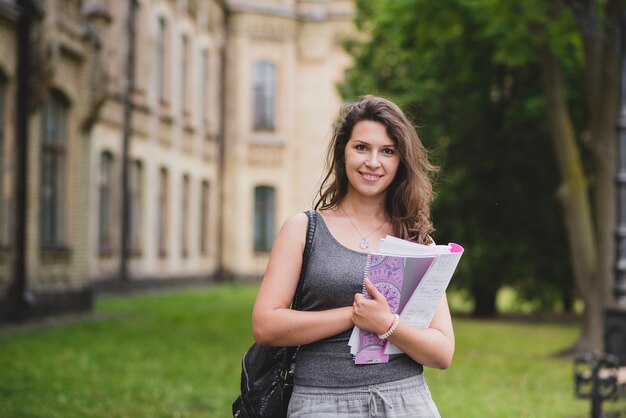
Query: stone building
47	107
174	146
231	103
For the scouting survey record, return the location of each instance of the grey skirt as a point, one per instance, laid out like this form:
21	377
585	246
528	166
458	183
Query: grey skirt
408	398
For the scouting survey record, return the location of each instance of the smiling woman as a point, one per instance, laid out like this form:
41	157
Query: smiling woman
377	184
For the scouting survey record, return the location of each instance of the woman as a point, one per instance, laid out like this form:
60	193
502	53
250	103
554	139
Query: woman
377	184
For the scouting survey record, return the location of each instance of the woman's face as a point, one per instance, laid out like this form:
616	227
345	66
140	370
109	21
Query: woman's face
371	158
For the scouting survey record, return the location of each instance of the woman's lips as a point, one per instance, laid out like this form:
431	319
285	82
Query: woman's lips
370	176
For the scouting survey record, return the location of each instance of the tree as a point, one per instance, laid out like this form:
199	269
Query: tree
485	122
561	42
587	196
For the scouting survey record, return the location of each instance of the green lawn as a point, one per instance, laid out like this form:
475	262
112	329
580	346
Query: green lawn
178	355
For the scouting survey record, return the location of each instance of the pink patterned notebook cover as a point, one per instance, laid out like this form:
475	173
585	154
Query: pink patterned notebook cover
396	277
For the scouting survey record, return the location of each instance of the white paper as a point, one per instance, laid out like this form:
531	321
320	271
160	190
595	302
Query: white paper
421	306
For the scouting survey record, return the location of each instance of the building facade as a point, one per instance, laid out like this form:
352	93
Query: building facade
44	196
233	104
173	146
231	107
284	61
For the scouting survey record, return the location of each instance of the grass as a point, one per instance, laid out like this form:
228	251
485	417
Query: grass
174	355
504	369
178	355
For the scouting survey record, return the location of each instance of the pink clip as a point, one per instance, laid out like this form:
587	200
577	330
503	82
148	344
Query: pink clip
455	248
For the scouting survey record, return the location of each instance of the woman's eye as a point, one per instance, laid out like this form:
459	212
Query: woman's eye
389	151
360	147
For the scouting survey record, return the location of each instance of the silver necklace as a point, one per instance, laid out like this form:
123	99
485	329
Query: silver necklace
364	244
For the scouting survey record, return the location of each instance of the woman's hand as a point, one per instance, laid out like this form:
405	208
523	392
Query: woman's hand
431	347
373	315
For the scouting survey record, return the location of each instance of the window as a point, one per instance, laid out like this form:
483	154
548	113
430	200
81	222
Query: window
204	86
263	218
184	221
134	206
3	199
162	214
264	95
184	70
105	191
204	218
140	52
160	59
52	180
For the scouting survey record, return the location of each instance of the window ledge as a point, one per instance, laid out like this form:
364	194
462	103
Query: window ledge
267	139
106	252
55	254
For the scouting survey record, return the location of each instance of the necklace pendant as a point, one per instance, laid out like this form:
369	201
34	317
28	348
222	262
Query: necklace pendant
364	244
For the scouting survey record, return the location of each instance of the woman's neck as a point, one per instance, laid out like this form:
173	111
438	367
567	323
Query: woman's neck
364	207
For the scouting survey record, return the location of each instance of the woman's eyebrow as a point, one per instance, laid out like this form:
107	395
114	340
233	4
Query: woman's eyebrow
362	141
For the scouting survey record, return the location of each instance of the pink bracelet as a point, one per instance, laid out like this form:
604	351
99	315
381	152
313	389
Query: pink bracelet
391	329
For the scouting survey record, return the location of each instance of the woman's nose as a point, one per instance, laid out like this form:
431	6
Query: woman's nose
373	161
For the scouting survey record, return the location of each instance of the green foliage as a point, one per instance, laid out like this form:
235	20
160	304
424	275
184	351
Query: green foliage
467	72
178	355
520	29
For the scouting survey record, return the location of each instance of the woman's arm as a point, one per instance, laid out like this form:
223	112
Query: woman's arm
273	323
431	347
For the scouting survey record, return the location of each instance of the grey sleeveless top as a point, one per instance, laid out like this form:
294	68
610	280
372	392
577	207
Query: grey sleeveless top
334	275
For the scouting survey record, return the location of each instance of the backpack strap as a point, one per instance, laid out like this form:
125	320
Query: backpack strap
310	232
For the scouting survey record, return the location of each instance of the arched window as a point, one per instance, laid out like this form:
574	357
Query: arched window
264	95
105	191
162	215
184	220
205	94
53	170
3	175
204	218
135	190
264	218
184	74
140	53
161	60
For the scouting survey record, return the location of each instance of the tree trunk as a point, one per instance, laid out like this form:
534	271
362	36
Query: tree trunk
600	37
591	336
484	301
573	194
567	300
603	115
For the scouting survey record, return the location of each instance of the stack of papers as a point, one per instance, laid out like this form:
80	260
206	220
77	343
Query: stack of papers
413	277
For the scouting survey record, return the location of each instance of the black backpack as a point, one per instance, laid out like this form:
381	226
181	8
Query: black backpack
267	372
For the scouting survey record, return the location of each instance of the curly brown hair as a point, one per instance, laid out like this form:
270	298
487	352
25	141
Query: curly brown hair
408	200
